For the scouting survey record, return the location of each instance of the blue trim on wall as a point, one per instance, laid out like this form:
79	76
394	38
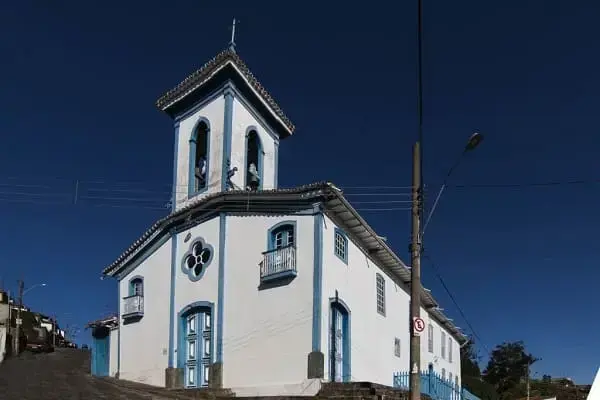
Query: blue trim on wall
181	320
203	102
227	137
317	281
172	300
191	161
261	157
142	256
132	281
346	333
175	167
257	116
221	285
119	329
239	96
276	165
271	231
338	231
189	271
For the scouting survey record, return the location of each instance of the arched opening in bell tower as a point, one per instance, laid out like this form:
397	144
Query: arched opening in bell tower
199	152
254	164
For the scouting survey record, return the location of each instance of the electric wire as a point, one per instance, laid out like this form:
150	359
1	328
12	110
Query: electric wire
458	307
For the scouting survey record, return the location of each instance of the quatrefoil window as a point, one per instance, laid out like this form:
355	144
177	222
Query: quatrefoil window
197	259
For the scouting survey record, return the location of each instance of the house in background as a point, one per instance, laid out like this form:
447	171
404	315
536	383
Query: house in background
55	334
104	358
249	286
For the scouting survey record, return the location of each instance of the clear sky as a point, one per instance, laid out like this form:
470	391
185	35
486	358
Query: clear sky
78	84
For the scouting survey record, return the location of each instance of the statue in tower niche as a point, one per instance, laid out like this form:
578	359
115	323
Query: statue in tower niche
201	172
254	179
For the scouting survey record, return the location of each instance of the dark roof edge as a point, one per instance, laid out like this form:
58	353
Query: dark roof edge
206	72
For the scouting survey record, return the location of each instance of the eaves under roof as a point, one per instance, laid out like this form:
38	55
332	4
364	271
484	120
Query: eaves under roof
109	322
203	75
287	201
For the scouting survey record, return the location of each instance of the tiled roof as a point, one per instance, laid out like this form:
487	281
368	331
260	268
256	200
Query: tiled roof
336	207
110	322
192	205
201	76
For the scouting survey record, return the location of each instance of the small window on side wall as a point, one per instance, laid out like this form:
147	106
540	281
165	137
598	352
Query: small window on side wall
443	345
340	243
430	337
380	289
397	347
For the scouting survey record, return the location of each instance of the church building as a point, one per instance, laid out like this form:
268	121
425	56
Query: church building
253	287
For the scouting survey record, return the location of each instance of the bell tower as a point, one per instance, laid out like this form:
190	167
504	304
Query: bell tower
227	130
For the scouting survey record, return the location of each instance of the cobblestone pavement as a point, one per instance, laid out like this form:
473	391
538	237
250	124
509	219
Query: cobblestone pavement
64	375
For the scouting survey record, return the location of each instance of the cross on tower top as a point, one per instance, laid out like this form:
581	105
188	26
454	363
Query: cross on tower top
232	41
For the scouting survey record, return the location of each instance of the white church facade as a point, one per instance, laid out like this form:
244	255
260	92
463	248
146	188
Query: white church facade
255	288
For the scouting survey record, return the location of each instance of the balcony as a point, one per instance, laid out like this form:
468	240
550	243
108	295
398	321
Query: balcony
278	264
133	307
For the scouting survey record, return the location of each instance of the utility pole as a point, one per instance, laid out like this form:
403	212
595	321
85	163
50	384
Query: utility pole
415	276
19	321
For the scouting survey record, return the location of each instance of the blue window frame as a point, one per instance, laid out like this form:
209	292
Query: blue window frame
133	304
254	160
282	235
199	158
279	261
340	245
136	286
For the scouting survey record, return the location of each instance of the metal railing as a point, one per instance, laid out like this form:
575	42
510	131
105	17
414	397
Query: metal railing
435	386
278	262
133	306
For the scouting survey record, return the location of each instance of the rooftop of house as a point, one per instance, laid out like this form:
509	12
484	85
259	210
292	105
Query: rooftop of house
111	321
287	201
219	69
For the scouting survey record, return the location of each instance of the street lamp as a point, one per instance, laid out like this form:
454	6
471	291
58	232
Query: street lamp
22	292
474	141
33	287
416	249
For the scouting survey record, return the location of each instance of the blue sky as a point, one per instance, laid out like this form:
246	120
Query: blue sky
77	91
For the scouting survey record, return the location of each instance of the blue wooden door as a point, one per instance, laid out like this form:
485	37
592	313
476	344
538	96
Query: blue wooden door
198	348
101	356
336	357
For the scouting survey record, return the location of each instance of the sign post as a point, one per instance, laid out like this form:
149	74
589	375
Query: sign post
418	326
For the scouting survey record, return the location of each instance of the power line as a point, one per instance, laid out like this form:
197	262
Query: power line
530	184
458	307
134	203
166	188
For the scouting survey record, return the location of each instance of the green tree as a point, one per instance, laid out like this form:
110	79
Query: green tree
469	362
509	363
471	373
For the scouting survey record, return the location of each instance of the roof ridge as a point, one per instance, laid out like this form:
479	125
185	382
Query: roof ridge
182	89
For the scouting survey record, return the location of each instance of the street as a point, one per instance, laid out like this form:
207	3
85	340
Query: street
65	374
